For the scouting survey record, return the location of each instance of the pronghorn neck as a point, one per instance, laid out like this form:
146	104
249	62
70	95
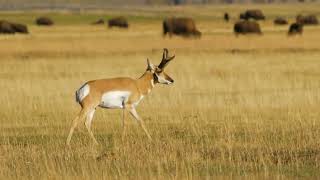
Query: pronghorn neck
145	83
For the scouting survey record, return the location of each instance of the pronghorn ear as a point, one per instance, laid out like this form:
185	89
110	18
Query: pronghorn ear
150	65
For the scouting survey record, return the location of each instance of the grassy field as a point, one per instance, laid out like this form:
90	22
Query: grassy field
246	106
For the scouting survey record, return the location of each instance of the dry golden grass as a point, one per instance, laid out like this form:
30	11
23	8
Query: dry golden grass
245	106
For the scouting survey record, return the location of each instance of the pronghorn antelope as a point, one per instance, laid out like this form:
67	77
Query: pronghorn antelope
119	93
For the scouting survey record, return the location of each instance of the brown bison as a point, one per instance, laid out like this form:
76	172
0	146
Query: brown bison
307	20
280	21
255	14
295	28
246	27
242	16
100	21
180	26
20	28
44	21
6	28
226	17
120	22
11	28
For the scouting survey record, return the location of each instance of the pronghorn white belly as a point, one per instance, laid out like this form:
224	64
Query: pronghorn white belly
114	99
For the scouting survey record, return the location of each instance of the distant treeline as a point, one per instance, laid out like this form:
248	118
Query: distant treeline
99	4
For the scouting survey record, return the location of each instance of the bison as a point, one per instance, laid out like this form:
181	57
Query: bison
307	20
295	28
6	28
11	28
100	21
255	14
226	17
246	27
242	16
44	21
20	28
180	26
120	22
280	21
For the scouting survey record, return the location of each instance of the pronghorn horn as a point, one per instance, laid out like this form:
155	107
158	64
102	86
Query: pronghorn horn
165	59
150	66
165	53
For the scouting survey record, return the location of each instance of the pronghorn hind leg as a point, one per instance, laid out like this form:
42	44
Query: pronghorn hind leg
134	113
75	122
88	125
73	126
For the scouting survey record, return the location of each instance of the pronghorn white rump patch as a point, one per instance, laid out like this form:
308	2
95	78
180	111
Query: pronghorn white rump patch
114	99
82	92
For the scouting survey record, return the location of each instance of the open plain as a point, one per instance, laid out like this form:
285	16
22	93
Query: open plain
240	106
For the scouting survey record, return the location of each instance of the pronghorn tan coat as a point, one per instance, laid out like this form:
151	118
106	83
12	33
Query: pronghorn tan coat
137	88
120	93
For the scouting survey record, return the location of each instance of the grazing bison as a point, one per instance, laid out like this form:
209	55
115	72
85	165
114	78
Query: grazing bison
11	28
246	27
226	17
44	21
180	26
100	21
20	28
120	22
242	16
6	28
280	21
255	14
295	28
307	20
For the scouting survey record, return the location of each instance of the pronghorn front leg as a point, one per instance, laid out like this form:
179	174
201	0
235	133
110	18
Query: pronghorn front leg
134	113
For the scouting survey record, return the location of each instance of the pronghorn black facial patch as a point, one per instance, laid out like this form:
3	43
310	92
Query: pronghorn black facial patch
155	78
